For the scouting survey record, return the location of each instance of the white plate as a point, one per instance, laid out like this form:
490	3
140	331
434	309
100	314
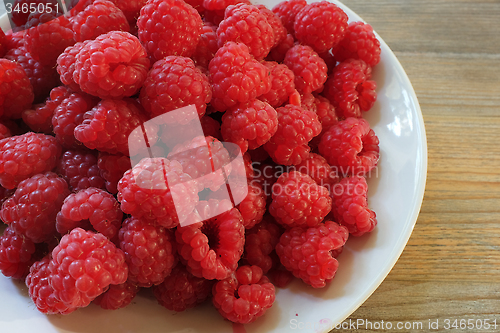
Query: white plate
395	195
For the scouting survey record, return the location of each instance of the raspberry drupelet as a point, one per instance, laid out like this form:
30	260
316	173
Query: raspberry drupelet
17	92
287	10
16	253
79	169
282	84
308	67
260	242
117	296
359	42
111	168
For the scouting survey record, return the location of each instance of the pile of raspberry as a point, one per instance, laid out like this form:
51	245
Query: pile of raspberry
287	86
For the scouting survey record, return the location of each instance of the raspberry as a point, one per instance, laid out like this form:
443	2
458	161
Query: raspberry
246	24
321	25
149	251
144	191
17	92
40	290
260	242
207	46
287	10
131	9
68	115
279	51
249	125
350	89
111	169
20	17
100	17
351	146
296	127
26	155
275	22
319	170
117	296
253	206
15	40
83	265
15	254
350	207
107	126
66	65
282	84
236	76
326	116
306	252
359	42
114	65
79	169
174	82
169	27
182	290
309	69
211	249
244	296
299	201
32	210
94	205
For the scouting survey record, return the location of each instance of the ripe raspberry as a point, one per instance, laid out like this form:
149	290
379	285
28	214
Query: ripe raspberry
149	251
282	84
15	40
351	146
279	51
359	42
26	155
274	21
321	25
253	206
169	27
350	89
20	17
309	69
249	125
319	170
15	254
211	249
244	296
83	265
17	92
32	210
66	65
296	127
260	242
307	252
246	24
326	116
68	115
174	82
299	201
111	169
117	296
144	191
207	46
94	205
236	76
131	9
114	65
287	10
98	18
350	207
79	169
182	290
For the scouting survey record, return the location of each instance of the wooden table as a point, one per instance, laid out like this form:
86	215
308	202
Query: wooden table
450	268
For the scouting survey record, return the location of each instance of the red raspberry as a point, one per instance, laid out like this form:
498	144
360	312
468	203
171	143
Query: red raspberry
15	254
20	17
32	210
83	265
100	17
244	296
40	290
246	24
279	51
249	125
79	169
236	76
309	68
182	290
282	84
326	116
211	249
26	155
321	25
94	205
111	168
117	296
207	46
253	206
144	192
131	9
17	92
359	42
350	89
114	65
260	242
296	127
350	207
174	82
287	10
149	250
68	115
351	146
15	39
307	252
274	21
299	201
319	170
66	65
169	27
